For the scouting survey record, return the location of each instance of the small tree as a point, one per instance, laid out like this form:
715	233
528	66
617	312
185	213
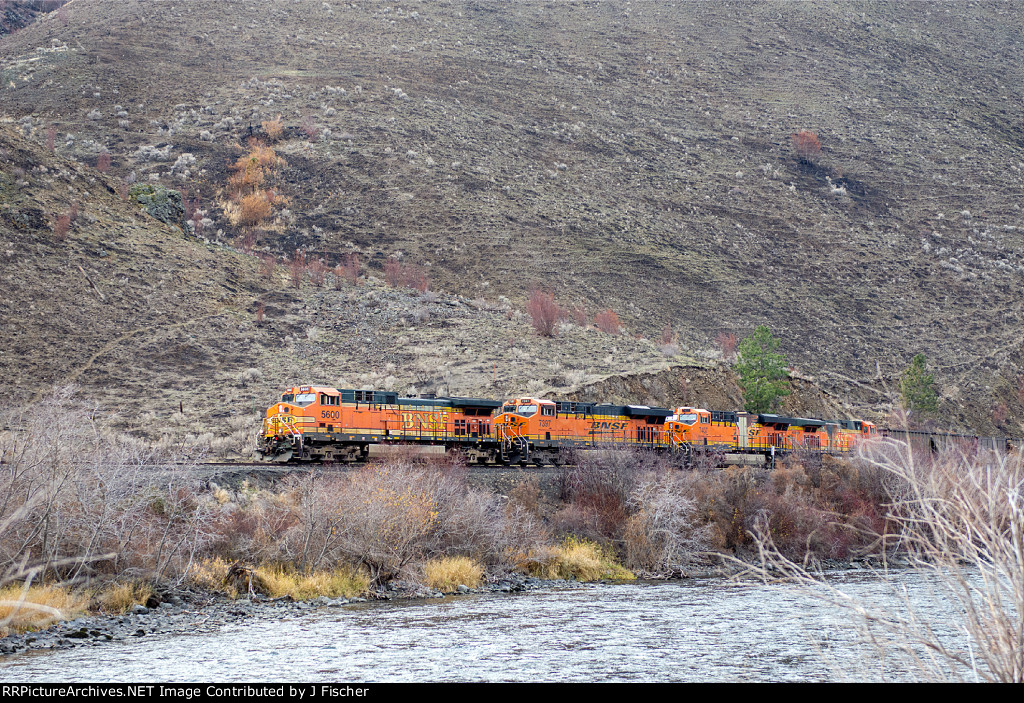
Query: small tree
763	371
544	313
917	387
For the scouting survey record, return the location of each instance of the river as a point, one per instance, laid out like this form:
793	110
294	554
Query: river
695	630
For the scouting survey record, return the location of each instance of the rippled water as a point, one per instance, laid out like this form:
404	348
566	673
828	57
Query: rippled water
698	630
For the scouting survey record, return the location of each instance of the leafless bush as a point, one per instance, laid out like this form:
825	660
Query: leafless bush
608	322
317	272
598	490
960	521
347	271
412	276
268	265
61	226
727	342
297	268
397	512
663	532
544	313
77	501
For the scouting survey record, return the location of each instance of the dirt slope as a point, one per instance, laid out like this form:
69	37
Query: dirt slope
633	156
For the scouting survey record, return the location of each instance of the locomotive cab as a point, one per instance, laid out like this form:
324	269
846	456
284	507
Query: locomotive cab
688	425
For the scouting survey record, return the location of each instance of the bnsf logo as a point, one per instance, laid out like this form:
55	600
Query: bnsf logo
605	425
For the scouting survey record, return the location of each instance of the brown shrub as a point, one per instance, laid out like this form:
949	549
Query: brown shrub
727	342
247	241
309	128
544	313
608	322
347	271
252	170
806	144
273	128
61	226
297	268
392	272
578	314
268	265
103	162
412	276
317	272
415	277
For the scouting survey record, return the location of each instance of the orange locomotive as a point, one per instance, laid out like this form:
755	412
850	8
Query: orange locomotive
759	433
535	430
319	423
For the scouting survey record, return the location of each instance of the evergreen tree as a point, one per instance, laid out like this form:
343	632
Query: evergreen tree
917	388
764	374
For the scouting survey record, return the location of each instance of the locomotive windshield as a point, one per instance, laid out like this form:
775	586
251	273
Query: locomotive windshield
526	410
287	397
304	399
687	419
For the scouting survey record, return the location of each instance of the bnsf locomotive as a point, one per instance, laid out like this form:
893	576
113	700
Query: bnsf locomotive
322	424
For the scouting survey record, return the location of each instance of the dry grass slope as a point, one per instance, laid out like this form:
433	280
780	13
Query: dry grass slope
635	158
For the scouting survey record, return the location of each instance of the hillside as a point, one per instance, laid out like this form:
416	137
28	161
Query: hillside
632	156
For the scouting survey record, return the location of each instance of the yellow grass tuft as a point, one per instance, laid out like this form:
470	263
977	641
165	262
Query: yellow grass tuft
574	559
278	580
121	597
40	607
210	574
448	573
342	581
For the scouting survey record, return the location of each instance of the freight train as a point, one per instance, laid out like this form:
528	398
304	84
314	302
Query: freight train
324	424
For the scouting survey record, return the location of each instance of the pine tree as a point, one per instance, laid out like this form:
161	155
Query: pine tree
917	388
763	372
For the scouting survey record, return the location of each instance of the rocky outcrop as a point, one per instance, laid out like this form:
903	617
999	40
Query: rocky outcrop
162	203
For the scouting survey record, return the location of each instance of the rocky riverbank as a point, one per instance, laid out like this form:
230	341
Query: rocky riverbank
188	611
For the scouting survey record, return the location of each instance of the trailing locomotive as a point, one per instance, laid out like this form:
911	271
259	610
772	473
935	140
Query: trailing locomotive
535	430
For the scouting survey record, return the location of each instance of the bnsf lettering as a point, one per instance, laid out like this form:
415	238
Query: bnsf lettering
424	421
605	425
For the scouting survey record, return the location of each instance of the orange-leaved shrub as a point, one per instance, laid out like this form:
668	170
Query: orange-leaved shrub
806	144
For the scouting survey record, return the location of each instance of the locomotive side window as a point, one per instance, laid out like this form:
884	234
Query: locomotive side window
329	399
548	410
